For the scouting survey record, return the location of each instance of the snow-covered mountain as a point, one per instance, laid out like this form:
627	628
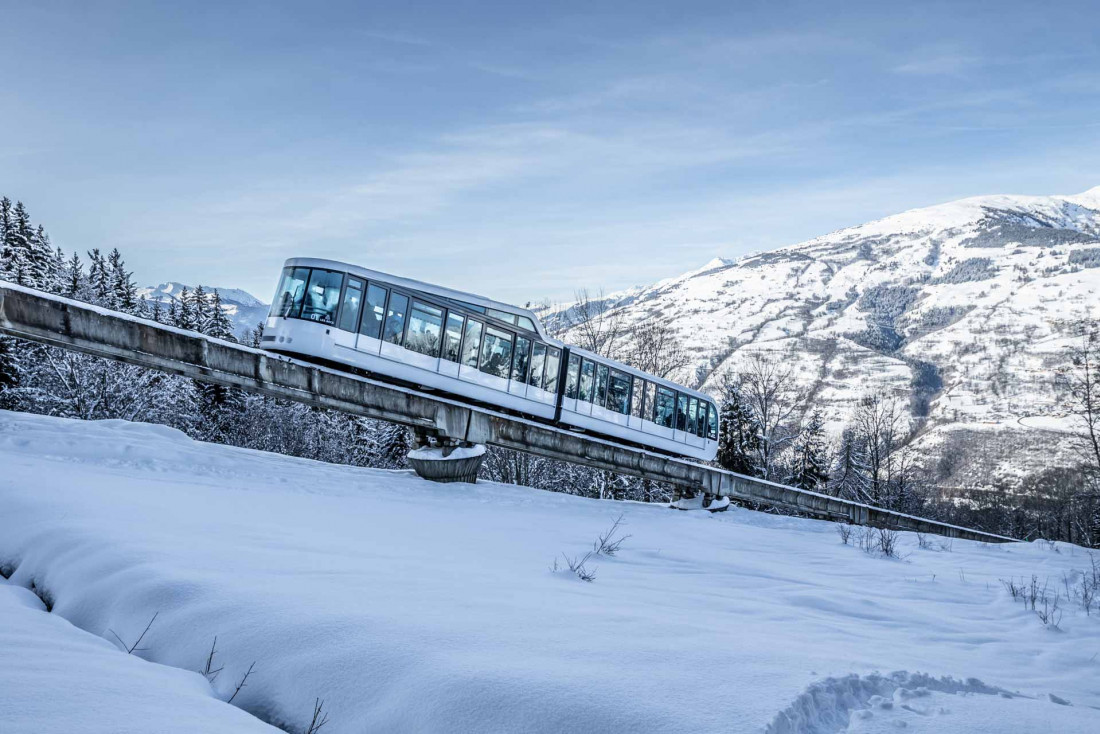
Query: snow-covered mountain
964	309
243	308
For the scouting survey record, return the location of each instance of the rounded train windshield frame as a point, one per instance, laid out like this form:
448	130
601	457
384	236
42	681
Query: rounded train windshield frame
481	351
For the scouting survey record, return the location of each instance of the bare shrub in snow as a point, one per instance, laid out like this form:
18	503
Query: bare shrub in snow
1086	591
578	567
865	539
844	530
887	542
946	545
1012	588
924	542
1048	611
131	649
320	718
209	671
608	544
1038	599
242	683
877	541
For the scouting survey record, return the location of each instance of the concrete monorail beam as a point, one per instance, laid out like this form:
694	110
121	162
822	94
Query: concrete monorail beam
61	322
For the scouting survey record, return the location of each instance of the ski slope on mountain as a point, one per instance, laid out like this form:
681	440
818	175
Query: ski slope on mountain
411	606
963	310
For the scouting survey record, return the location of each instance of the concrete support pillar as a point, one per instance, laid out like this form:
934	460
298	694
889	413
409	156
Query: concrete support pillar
444	459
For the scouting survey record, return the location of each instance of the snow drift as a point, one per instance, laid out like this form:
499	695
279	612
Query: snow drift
409	606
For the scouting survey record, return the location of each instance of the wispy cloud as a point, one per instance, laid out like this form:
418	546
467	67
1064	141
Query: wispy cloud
940	65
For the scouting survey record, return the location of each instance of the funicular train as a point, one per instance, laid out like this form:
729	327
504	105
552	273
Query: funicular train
480	350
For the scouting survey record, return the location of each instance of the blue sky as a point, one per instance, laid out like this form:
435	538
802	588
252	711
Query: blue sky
523	150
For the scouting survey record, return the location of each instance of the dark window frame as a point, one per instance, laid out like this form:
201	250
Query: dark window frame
348	277
511	350
515	357
408	322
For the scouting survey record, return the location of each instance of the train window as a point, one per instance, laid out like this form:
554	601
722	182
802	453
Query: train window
637	400
496	352
521	359
693	409
712	423
588	381
650	402
665	407
471	345
553	364
472	307
681	412
701	423
425	327
573	377
525	323
509	318
538	360
618	392
394	330
372	314
452	337
349	309
601	384
292	291
322	296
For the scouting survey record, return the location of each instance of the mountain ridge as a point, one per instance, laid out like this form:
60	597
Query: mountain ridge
244	310
963	310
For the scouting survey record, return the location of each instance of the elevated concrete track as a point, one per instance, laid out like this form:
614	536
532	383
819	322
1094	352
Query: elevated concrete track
60	322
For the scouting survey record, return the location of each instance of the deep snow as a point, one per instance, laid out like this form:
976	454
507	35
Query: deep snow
55	678
410	606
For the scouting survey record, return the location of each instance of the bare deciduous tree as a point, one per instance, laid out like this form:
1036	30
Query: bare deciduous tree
880	424
655	348
769	389
595	324
1085	389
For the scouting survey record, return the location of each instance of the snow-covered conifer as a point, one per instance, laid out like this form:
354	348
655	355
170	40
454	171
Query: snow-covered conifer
123	290
810	466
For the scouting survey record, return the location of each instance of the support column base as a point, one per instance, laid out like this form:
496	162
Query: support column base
701	501
447	463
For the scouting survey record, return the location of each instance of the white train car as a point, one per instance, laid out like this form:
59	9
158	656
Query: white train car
480	350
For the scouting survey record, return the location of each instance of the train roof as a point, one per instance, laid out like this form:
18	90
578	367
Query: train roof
473	298
419	285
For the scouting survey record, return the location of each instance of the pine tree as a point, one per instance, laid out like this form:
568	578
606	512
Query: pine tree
739	437
220	327
811	463
185	314
17	256
5	227
200	303
850	478
123	291
42	260
393	446
9	369
58	273
156	314
74	278
99	280
256	335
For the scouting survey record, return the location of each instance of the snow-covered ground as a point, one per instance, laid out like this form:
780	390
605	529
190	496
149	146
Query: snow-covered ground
409	606
57	678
